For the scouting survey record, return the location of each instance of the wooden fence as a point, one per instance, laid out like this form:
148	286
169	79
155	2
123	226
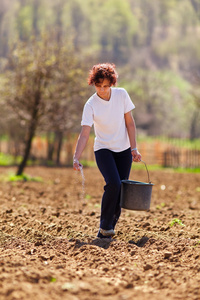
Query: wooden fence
186	158
166	155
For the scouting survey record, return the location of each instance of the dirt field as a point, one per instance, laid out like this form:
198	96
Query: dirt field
49	249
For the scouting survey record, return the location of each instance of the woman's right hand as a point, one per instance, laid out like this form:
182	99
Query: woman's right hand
76	165
82	141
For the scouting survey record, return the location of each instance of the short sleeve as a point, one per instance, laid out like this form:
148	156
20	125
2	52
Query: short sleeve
87	116
128	104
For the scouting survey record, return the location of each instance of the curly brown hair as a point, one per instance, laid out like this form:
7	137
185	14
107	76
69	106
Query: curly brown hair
103	71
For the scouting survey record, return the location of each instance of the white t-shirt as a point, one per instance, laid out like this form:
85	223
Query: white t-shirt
108	119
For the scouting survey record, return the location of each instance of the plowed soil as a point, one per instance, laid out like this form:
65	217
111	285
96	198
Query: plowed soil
49	249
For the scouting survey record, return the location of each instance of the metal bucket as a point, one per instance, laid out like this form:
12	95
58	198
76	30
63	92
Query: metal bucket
136	195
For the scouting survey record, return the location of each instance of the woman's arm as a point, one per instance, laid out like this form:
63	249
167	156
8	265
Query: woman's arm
131	128
81	143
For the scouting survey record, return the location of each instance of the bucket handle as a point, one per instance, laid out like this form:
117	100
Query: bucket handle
146	170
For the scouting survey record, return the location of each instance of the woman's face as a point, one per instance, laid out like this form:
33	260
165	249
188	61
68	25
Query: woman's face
103	88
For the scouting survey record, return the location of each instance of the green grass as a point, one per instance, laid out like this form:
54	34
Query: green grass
8	160
88	163
187	170
176	221
4	138
140	166
24	177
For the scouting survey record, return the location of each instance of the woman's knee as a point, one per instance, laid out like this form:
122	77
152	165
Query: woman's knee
113	186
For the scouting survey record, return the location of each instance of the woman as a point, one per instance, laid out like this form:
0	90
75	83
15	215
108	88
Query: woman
109	110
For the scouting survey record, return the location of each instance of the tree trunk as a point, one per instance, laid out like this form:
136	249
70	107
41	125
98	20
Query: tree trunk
26	151
193	127
69	149
60	140
50	149
35	17
31	133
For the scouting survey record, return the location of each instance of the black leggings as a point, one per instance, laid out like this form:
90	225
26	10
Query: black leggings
114	166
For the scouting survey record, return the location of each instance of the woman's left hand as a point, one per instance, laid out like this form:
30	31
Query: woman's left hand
136	156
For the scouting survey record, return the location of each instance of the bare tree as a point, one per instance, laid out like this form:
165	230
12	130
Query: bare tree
35	84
